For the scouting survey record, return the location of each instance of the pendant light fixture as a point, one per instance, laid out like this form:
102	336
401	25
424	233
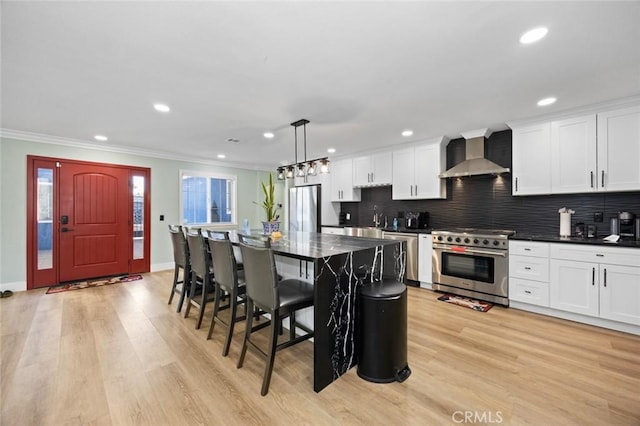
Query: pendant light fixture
306	167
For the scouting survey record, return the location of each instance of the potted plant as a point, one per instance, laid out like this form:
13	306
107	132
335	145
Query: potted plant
270	207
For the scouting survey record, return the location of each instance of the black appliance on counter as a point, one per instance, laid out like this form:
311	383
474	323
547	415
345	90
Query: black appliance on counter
417	220
627	225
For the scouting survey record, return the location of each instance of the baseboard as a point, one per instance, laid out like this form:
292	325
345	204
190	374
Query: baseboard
426	285
162	266
14	286
584	319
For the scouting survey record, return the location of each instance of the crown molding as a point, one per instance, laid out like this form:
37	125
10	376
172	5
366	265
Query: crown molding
77	143
573	112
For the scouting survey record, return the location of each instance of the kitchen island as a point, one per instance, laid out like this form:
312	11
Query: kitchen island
341	264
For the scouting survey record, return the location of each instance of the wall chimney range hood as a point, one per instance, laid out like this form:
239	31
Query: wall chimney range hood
475	163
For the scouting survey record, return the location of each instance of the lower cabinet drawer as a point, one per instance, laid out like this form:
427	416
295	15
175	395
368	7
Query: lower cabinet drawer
532	292
529	268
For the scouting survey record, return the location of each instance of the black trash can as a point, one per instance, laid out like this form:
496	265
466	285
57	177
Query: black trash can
382	332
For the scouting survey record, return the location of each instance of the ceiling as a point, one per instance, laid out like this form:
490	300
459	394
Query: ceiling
360	72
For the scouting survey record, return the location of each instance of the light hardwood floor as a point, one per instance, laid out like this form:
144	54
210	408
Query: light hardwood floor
120	355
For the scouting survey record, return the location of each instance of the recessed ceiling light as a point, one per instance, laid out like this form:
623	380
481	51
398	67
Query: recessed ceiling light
222	156
161	107
546	101
533	35
331	150
407	133
268	135
101	138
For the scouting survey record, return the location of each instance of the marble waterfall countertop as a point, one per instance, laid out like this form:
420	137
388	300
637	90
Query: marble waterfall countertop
313	245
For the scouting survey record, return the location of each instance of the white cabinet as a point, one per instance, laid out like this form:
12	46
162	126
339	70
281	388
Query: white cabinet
332	230
415	172
619	150
587	153
425	261
574	286
529	272
573	155
596	281
372	170
531	160
620	293
342	182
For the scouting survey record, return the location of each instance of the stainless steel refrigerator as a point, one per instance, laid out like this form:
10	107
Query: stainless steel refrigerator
304	208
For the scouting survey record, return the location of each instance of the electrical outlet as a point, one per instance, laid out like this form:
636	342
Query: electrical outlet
348	216
597	217
161	217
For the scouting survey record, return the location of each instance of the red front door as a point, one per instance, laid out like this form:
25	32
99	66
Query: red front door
93	221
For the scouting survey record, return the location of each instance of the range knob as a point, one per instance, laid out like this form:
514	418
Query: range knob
466	240
457	239
449	239
476	241
485	242
439	237
496	243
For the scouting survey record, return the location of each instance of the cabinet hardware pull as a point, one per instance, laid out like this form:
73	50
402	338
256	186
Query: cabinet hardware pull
527	268
516	184
599	255
593	276
527	291
602	180
592	179
605	277
372	178
416	190
527	249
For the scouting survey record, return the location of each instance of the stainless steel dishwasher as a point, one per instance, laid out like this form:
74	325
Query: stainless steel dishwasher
412	251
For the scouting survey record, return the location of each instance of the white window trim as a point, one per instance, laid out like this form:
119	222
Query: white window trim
233	203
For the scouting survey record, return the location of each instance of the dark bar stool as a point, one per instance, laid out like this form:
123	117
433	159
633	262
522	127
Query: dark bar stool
202	283
181	261
280	299
229	280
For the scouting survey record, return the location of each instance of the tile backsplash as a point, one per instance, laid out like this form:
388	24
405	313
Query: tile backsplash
486	201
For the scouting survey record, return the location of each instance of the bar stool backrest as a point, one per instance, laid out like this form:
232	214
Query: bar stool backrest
260	272
224	261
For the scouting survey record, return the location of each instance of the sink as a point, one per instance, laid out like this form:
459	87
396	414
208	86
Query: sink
366	232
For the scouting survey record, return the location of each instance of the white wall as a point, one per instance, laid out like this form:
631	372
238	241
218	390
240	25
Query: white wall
165	187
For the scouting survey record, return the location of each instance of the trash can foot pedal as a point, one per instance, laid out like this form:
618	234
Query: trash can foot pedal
403	374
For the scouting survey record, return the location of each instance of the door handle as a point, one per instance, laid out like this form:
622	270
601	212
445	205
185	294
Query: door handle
65	229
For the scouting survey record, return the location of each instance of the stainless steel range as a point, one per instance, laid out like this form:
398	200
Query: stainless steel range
473	263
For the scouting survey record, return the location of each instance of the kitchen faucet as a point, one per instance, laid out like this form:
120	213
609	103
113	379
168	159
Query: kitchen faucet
376	216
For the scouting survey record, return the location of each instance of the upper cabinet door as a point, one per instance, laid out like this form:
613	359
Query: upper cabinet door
573	155
362	171
372	170
403	174
429	162
619	150
532	160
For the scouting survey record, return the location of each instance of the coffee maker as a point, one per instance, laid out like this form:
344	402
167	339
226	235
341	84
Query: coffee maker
627	225
417	220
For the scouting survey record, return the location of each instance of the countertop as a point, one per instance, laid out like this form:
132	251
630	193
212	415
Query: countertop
312	245
598	241
387	229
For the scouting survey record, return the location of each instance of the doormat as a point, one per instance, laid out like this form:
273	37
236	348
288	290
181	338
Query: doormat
476	305
92	283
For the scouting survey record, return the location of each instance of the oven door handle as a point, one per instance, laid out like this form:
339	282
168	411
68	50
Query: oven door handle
471	251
